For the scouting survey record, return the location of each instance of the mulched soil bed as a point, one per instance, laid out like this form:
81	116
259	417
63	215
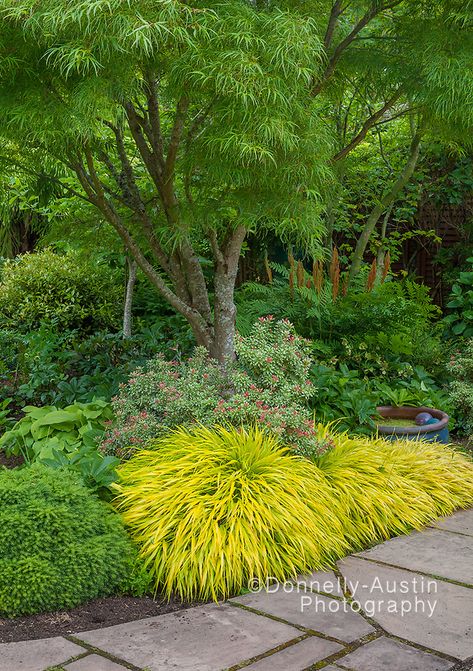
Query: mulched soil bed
10	462
92	615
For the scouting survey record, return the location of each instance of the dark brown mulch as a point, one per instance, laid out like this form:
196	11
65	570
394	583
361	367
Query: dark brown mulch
10	462
94	614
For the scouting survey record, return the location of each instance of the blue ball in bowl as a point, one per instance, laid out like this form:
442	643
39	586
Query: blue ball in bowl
424	418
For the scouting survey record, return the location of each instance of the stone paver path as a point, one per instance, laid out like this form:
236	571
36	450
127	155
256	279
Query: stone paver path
404	605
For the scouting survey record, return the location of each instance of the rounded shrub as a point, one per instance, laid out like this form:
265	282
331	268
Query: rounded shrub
59	545
69	289
213	509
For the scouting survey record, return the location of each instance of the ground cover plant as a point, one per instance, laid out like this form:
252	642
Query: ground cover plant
214	509
66	437
47	429
59	545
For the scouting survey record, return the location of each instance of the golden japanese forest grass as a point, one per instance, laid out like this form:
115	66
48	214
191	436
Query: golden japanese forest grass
212	509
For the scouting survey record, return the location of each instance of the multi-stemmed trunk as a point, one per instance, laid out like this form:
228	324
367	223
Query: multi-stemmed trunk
175	270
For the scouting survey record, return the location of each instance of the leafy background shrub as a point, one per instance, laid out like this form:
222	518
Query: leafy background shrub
387	330
59	545
212	509
276	358
459	321
60	367
391	308
267	384
69	290
461	387
369	348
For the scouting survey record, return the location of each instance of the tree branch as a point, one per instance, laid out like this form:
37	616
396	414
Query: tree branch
385	202
332	22
345	43
136	203
136	128
369	123
176	135
233	249
154	116
197	121
216	251
97	197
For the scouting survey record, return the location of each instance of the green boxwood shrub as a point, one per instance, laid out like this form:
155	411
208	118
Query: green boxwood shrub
59	545
69	289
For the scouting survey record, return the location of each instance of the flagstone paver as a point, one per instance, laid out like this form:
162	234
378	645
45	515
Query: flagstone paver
208	638
434	551
36	655
392	584
384	653
321	581
297	657
448	629
94	663
461	522
463	666
323	614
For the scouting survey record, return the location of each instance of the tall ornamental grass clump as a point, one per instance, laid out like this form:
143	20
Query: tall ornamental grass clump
59	545
213	509
389	488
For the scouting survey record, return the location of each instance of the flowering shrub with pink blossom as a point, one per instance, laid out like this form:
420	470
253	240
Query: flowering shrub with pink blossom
266	385
276	358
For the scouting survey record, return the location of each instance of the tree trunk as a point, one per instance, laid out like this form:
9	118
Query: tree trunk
382	246
386	201
130	286
223	344
226	268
